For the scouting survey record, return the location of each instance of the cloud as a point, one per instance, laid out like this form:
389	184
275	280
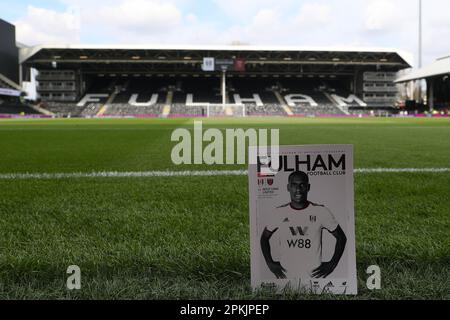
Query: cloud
137	16
275	26
373	23
47	26
257	30
312	13
191	18
245	10
381	15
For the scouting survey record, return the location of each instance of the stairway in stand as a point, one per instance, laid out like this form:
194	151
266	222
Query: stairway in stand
166	108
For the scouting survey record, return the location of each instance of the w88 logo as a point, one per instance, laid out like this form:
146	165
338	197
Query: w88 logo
299	243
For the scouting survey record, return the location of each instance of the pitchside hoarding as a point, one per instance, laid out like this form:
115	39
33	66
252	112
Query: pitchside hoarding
302	219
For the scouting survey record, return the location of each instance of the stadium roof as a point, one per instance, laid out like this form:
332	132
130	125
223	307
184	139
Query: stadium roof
383	55
439	67
21	45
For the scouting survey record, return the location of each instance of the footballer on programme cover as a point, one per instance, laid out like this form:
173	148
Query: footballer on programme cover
302	219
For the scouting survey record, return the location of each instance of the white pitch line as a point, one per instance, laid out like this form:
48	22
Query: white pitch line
117	174
401	170
204	173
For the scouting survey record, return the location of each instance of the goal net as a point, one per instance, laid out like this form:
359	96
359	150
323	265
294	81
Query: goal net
226	110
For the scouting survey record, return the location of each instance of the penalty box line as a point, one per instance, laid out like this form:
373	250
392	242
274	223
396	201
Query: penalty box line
204	173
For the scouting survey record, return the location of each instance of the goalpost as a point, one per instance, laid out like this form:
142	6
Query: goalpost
226	110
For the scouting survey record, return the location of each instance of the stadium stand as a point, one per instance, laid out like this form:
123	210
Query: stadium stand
91	110
200	97
144	97
13	105
246	88
205	90
317	90
273	109
171	81
63	109
181	110
73	109
124	110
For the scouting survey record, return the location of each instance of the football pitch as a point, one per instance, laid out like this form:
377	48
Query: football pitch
187	237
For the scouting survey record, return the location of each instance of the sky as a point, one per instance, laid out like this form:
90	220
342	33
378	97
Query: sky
323	23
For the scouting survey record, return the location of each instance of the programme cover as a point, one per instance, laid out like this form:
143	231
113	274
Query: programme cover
302	219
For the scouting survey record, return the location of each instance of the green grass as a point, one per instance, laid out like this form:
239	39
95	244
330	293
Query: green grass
188	237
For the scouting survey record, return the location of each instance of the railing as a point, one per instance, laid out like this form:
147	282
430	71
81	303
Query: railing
56	77
62	98
380	89
56	88
380	77
382	100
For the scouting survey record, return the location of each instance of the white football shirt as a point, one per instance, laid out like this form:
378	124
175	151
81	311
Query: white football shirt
297	241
